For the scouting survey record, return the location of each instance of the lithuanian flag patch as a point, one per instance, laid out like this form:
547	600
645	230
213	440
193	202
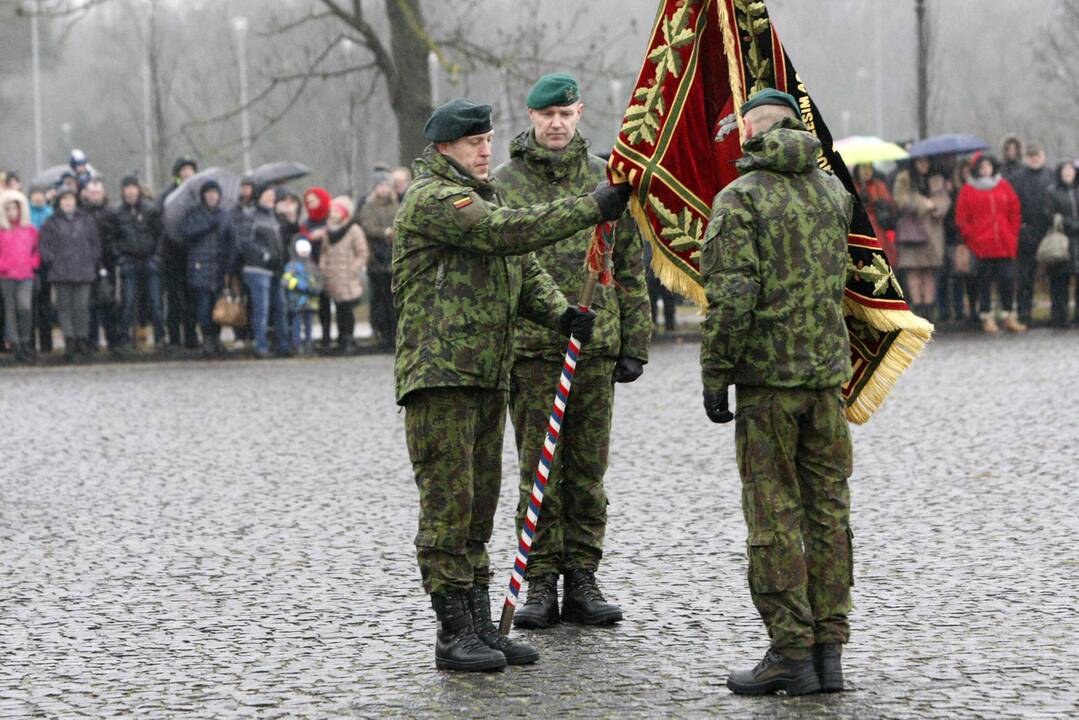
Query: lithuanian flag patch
462	203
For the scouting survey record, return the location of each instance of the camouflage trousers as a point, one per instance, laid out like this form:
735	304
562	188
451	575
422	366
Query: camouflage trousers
794	457
454	440
573	519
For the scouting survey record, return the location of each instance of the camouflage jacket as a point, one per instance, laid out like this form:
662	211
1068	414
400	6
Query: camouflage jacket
623	318
462	271
774	265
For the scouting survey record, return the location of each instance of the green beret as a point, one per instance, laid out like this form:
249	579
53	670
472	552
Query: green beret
457	119
770	96
554	89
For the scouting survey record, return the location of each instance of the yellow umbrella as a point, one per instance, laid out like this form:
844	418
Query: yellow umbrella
859	149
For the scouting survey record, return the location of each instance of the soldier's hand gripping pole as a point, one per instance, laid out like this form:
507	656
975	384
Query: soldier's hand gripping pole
543	468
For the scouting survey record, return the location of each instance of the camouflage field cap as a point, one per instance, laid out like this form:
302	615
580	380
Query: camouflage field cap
554	89
457	119
770	96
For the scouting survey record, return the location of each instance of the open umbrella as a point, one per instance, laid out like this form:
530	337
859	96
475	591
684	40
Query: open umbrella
50	176
859	149
948	145
186	196
277	172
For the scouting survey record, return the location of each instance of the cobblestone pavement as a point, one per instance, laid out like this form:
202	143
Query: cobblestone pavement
235	540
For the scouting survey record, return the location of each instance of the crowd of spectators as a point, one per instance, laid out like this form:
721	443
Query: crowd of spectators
964	234
112	275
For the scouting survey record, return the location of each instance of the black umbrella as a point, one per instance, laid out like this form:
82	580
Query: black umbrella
187	195
948	145
277	172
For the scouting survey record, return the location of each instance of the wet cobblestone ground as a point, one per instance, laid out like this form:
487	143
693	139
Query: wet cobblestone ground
234	540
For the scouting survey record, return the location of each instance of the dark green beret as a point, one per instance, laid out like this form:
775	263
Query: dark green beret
770	96
457	119
554	89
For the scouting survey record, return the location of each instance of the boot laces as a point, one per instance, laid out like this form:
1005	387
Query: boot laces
586	586
541	591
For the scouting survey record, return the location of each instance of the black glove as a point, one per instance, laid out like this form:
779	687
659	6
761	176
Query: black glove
612	199
627	369
715	405
578	323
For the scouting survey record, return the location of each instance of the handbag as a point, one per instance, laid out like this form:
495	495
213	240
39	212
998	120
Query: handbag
230	310
961	261
1053	249
908	231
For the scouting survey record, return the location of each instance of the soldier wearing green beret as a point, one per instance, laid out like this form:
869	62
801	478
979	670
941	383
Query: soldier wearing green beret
463	271
548	162
774	268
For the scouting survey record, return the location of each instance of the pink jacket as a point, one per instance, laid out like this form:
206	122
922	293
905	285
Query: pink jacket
19	254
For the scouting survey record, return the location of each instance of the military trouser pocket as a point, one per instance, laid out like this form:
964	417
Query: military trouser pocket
442	537
774	565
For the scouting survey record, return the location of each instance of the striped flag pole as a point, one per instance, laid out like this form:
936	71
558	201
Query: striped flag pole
543	468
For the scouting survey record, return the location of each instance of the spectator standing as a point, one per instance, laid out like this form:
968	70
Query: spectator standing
260	257
988	217
40	211
19	258
204	231
71	246
136	246
1032	183
879	205
81	169
103	306
316	202
922	198
1011	150
179	300
657	291
344	257
303	285
1064	201
376	218
402	178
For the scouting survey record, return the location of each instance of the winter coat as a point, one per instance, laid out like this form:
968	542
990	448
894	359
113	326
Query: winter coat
775	318
71	247
303	284
136	231
261	247
929	210
39	214
880	206
1032	188
375	217
205	232
1064	201
623	326
343	259
19	252
988	217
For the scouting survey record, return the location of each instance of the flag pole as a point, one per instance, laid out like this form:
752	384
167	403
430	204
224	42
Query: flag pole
543	467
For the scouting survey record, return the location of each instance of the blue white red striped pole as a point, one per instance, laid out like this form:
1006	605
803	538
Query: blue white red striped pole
543	468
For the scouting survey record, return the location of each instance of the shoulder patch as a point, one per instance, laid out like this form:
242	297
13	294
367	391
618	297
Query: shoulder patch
462	203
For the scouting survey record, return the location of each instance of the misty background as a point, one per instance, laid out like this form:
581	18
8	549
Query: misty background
134	83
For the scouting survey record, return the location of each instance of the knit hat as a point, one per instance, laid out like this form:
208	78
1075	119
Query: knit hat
343	206
303	248
317	201
209	185
129	180
380	174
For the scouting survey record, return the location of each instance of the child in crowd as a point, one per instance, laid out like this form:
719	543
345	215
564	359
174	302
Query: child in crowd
303	284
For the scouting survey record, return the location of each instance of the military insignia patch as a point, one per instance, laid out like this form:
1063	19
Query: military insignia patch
462	203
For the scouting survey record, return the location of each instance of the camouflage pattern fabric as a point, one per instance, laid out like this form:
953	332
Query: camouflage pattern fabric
794	457
574	516
455	444
623	327
774	265
463	271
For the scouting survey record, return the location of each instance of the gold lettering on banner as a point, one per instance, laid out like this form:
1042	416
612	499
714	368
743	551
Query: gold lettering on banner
809	120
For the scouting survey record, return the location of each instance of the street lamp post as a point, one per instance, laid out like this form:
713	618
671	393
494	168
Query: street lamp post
147	95
35	45
239	24
923	70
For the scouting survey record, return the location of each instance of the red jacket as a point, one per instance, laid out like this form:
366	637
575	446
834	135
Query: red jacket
988	217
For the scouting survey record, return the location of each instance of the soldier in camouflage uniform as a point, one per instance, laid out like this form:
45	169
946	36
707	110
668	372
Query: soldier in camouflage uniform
462	272
548	162
774	265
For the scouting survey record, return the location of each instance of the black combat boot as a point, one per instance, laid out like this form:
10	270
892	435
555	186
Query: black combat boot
583	603
479	604
540	610
827	660
776	672
458	647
